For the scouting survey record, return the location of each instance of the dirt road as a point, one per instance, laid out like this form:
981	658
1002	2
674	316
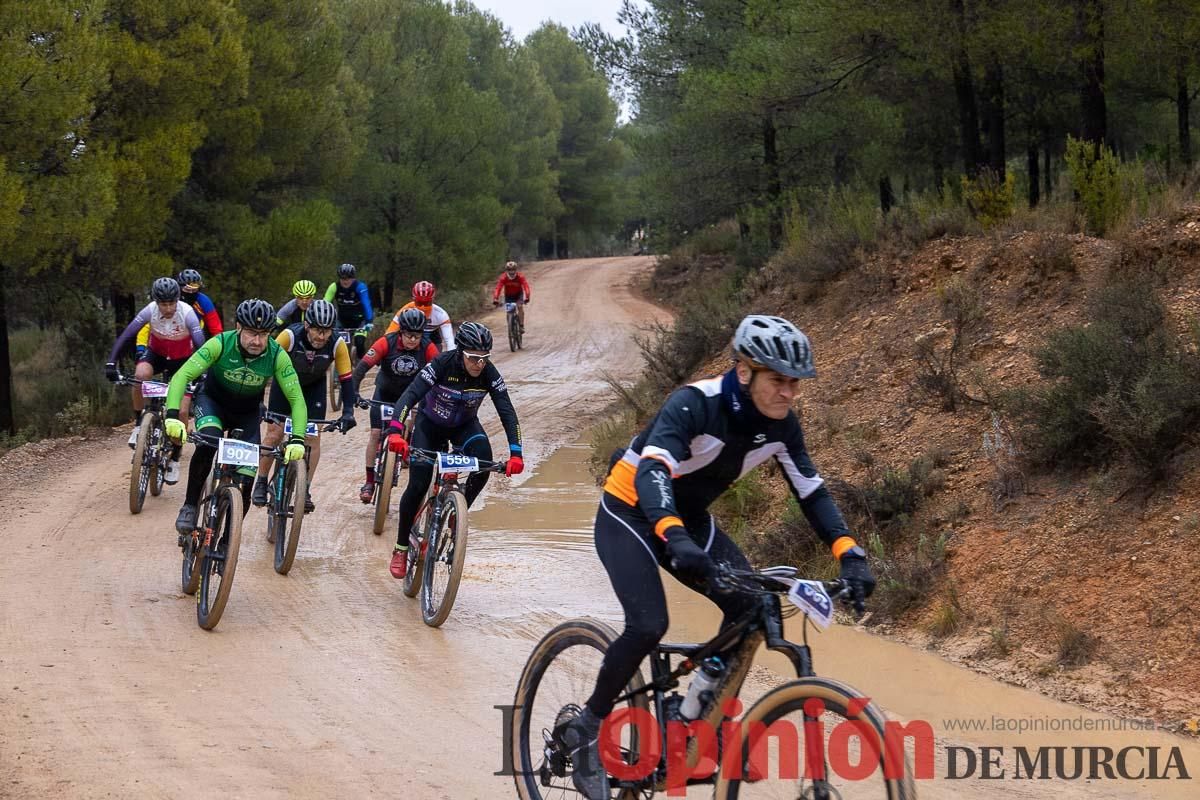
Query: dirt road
325	683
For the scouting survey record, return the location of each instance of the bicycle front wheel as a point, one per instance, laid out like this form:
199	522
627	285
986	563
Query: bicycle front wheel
444	558
513	342
383	490
287	514
140	466
806	753
219	561
557	679
162	457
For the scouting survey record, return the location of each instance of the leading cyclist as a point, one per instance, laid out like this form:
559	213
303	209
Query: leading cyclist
453	387
654	509
515	288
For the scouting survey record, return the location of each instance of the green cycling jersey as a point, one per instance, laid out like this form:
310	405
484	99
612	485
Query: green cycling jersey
222	359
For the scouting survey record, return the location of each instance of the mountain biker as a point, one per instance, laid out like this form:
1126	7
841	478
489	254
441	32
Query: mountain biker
400	356
353	303
313	350
293	310
436	318
654	509
174	334
190	284
453	387
515	288
238	364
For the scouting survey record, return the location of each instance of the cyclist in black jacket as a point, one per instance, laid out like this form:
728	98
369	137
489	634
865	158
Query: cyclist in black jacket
453	386
654	510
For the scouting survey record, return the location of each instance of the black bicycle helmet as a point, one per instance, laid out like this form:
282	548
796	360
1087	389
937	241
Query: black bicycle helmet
256	314
412	320
164	290
474	336
776	344
321	314
346	271
191	278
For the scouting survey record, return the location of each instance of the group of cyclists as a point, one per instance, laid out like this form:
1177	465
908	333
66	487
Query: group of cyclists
653	511
426	370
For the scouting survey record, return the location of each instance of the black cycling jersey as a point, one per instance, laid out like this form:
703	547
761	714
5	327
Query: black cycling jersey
397	366
452	396
311	363
706	436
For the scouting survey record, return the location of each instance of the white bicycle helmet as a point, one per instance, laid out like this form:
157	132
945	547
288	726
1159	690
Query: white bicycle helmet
776	344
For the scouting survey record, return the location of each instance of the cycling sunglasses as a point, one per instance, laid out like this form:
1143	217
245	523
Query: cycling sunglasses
476	358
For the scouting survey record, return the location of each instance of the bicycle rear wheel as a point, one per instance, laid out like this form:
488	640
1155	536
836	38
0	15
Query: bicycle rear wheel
335	394
444	558
383	490
287	514
140	465
558	677
219	561
809	741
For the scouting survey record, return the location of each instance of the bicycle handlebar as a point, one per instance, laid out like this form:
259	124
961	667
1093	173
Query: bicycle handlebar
431	457
278	419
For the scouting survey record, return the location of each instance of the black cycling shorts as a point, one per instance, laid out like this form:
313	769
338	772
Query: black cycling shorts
314	399
160	363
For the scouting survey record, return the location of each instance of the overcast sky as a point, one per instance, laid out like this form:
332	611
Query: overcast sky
522	17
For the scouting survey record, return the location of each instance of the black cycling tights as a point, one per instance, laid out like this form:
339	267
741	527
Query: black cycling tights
631	555
198	474
473	441
360	345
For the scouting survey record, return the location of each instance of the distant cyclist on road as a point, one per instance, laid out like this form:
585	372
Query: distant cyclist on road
238	364
452	386
353	303
515	289
174	334
292	312
437	321
313	350
654	510
400	356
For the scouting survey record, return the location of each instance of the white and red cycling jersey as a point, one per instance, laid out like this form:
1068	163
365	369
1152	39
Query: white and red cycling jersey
174	337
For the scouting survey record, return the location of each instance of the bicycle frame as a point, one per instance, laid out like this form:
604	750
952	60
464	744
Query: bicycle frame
738	644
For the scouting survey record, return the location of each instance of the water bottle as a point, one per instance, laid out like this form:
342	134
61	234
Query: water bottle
705	680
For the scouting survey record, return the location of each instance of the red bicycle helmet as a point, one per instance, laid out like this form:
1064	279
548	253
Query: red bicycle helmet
423	292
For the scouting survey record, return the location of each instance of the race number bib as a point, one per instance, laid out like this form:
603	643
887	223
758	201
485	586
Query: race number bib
811	598
154	389
309	430
237	453
510	307
387	412
457	463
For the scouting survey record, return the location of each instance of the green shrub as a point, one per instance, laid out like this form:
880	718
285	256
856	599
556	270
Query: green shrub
906	580
988	197
1096	177
1118	386
704	325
